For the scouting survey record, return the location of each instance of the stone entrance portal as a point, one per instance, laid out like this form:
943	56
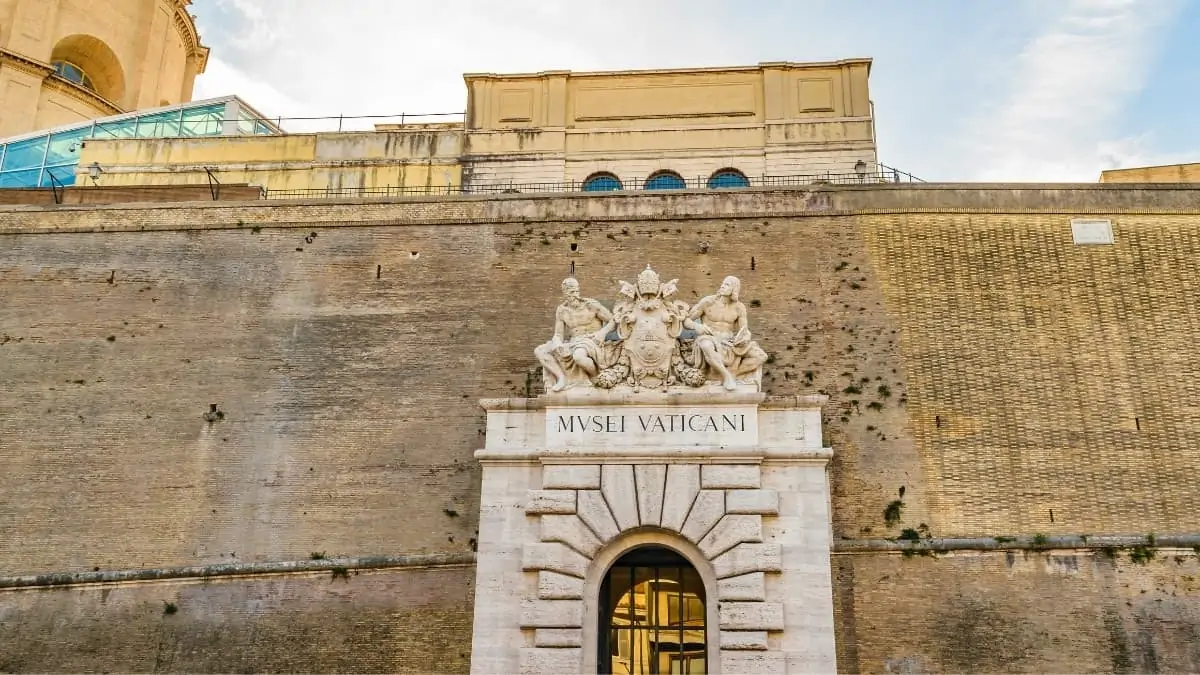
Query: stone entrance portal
655	513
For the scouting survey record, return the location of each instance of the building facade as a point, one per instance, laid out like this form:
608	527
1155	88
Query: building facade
770	124
633	372
1002	375
64	61
1168	173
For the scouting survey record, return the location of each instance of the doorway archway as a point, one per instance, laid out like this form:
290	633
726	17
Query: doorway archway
653	615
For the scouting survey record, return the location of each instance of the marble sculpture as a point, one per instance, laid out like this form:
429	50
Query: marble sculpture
651	339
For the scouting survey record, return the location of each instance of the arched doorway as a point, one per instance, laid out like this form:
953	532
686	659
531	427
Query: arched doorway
652	615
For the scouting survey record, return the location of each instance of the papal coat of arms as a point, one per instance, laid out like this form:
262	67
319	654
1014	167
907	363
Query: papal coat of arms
651	339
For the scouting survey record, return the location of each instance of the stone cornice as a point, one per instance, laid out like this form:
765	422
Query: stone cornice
766	65
21	62
1105	200
81	93
62	85
186	25
334	565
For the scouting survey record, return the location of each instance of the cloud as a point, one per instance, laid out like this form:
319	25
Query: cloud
1066	91
222	79
384	57
1024	90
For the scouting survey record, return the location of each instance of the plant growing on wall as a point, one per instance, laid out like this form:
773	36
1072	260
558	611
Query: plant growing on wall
892	512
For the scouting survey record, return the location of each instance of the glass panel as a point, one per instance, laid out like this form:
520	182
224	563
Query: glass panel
728	179
25	154
26	178
121	129
665	181
65	146
64	174
601	184
159	125
203	121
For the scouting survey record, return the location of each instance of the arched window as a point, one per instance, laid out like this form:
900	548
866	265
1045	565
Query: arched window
664	180
728	178
73	73
601	182
87	61
652	615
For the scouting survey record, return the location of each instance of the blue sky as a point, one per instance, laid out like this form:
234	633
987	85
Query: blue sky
1016	90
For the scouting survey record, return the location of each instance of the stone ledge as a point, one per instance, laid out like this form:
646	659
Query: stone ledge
649	455
237	569
674	396
1016	542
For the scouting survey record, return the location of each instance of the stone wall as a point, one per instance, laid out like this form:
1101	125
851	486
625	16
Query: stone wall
974	356
1068	611
388	620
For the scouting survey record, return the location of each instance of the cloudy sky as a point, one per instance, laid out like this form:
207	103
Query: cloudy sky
1016	90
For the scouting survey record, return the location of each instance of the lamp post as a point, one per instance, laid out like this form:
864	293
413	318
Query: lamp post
94	171
860	168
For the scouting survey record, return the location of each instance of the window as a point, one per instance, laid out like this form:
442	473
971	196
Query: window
602	182
728	178
664	180
72	72
652	615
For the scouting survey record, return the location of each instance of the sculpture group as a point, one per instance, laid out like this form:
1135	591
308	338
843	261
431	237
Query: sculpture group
651	339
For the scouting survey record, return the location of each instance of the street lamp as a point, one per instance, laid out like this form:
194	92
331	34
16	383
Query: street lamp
860	168
94	171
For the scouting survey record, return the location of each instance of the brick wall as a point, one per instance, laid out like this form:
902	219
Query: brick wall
119	195
1020	373
1057	612
384	621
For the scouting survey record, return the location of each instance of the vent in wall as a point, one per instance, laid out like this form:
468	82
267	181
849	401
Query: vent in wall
1091	231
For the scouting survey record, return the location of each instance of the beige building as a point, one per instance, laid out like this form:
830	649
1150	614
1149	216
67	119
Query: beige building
773	119
1167	173
656	129
61	61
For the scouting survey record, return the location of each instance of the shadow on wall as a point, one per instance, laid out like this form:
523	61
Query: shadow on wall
89	61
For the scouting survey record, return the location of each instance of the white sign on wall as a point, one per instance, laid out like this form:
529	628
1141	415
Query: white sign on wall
1092	231
652	426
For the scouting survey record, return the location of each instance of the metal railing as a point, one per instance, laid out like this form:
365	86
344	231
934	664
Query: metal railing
883	174
358	122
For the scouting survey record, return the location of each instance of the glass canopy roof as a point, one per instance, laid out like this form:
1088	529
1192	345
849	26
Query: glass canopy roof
42	158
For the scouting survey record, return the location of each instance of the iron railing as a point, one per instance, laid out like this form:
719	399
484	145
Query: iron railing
883	174
329	123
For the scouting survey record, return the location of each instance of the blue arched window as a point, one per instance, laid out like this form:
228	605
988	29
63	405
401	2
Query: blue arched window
74	73
601	182
664	180
728	178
